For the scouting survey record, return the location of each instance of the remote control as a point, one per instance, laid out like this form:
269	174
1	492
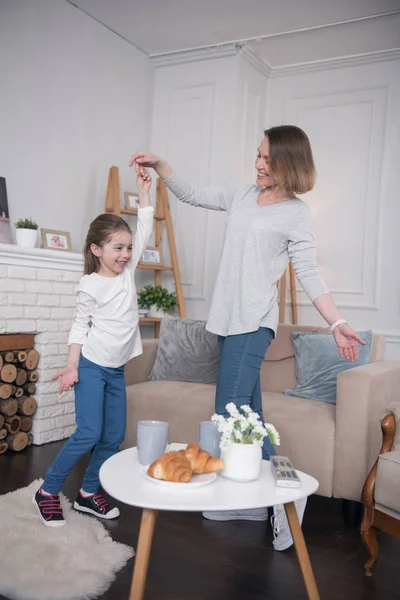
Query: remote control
284	472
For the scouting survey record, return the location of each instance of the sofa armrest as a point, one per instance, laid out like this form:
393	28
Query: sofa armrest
362	394
139	368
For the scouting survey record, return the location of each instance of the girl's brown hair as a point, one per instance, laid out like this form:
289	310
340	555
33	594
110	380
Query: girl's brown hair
100	232
290	158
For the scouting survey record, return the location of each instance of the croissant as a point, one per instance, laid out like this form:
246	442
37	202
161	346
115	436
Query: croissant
172	466
202	461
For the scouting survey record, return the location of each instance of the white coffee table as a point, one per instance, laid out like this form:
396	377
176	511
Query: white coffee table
121	478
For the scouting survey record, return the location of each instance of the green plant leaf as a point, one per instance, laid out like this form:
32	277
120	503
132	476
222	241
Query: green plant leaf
26	224
159	296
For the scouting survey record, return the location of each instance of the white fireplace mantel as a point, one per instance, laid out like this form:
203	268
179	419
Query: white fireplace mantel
11	254
38	295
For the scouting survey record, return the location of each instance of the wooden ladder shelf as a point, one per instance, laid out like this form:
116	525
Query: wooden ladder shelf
282	284
162	214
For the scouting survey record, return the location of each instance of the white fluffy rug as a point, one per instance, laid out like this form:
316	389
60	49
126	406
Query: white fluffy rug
75	562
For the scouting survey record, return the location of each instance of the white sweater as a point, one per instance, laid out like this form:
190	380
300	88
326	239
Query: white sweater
259	242
109	304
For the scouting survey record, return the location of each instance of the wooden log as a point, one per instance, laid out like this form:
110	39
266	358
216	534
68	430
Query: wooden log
5	391
3	447
33	376
26	423
32	360
1	421
30	439
15	357
8	373
15	391
8	357
26	405
29	388
22	356
12	424
8	407
3	433
21	377
1	362
17	442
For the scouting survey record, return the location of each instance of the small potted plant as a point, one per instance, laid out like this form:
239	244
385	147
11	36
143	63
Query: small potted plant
26	233
157	299
242	438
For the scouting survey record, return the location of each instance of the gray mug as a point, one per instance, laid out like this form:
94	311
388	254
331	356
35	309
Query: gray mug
210	437
152	440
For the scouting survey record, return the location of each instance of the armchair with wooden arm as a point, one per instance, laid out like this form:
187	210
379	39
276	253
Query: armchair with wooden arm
381	492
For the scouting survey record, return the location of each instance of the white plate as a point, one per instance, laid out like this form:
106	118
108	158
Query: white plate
196	481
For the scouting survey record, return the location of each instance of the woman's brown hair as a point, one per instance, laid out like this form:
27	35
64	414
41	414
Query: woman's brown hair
100	232
290	158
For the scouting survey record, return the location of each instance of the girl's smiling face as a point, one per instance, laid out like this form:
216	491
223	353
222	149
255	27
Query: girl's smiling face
114	254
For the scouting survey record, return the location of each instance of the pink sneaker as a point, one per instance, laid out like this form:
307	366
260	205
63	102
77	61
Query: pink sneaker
49	508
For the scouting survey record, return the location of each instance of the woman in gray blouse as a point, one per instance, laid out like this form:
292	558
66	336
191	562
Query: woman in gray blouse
267	226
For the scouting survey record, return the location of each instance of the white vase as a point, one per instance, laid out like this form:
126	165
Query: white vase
242	461
156	312
26	237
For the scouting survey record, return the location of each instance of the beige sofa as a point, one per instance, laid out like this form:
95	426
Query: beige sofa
336	444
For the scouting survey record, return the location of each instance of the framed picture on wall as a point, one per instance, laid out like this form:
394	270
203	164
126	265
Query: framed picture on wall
131	199
56	240
151	256
5	227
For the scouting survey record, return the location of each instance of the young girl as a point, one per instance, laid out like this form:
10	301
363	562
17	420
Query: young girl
267	226
103	338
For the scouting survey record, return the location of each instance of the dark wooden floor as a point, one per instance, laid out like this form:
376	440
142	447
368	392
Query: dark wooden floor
195	559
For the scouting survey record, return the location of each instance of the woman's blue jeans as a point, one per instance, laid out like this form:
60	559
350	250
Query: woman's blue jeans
241	357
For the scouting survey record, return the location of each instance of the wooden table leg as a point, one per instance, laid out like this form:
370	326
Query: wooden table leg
143	554
302	552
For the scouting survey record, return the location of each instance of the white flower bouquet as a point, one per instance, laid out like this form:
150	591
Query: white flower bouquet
243	426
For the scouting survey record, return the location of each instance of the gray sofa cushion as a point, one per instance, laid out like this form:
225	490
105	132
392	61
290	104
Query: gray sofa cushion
318	364
186	352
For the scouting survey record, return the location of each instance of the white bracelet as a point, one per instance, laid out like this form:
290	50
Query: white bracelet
337	323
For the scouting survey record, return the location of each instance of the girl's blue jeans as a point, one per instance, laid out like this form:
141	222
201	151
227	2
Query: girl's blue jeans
100	407
241	357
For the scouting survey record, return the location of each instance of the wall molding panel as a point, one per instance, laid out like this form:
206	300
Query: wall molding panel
347	200
191	131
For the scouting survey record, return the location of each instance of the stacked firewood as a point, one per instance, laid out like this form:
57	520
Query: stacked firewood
18	377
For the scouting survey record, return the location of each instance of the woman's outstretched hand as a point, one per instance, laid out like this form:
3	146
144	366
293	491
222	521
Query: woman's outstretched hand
347	341
145	159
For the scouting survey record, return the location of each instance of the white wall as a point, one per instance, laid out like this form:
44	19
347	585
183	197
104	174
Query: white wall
194	128
351	116
251	101
75	99
208	121
209	116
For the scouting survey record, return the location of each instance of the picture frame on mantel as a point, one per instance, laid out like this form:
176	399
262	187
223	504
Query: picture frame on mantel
5	227
53	239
